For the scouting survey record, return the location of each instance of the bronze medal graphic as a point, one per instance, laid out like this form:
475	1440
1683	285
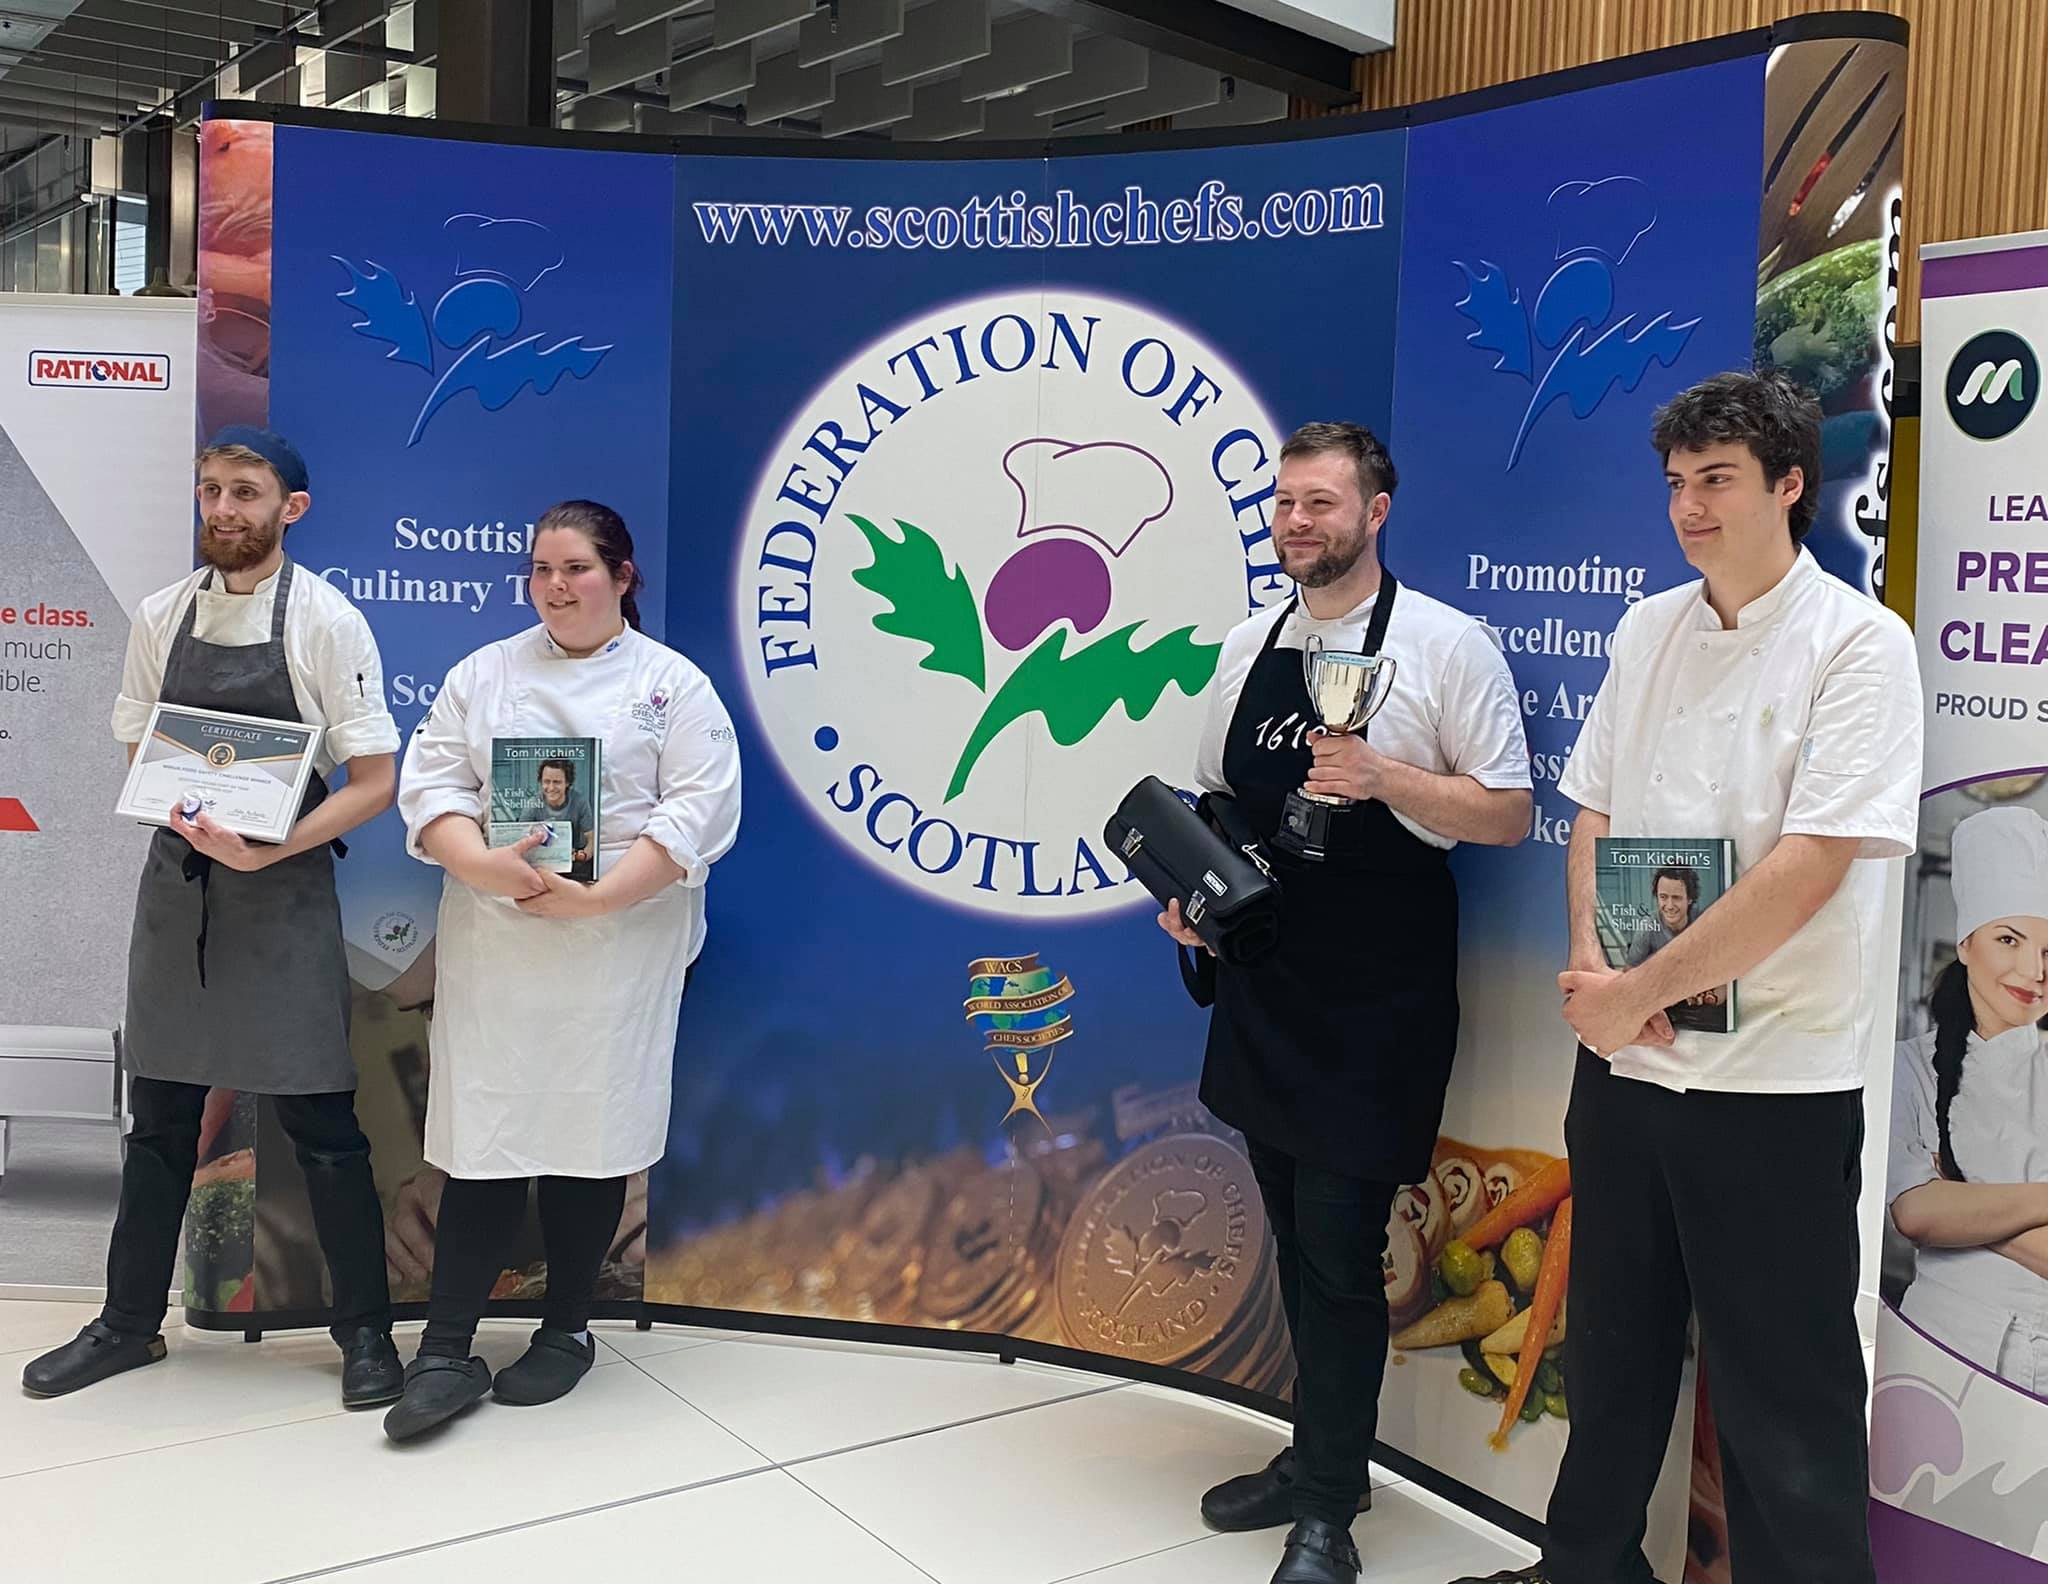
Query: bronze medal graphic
1167	1259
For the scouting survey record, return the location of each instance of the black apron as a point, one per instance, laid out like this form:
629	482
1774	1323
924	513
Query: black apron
238	981
1336	1046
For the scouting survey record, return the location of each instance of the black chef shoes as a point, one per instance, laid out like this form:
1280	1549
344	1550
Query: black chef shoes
370	1371
436	1390
1318	1553
1264	1500
95	1353
552	1364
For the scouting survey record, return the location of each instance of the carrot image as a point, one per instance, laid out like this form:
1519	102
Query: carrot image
1550	1285
1535	1199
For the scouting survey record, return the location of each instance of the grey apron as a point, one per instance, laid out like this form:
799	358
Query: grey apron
238	981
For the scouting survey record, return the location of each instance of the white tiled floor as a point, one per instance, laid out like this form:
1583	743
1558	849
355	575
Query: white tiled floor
691	1454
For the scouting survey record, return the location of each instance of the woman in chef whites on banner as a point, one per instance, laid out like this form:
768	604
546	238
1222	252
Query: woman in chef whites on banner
555	1001
1969	1156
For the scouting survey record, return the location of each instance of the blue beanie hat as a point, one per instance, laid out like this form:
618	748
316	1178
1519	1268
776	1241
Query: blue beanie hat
273	448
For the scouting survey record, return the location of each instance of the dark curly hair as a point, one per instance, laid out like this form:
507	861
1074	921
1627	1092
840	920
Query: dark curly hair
1773	416
1689	878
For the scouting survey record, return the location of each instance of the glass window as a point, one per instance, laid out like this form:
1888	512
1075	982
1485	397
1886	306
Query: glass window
131	245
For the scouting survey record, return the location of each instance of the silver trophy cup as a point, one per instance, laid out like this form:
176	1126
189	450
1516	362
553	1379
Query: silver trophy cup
1345	690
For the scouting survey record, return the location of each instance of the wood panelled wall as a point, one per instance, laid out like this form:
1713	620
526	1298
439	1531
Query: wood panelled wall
1977	87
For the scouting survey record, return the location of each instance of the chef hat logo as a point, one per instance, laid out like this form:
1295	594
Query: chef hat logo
517	252
1998	865
1601	219
1106	490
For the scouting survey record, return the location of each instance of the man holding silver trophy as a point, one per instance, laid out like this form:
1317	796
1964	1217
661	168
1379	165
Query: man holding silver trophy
1363	730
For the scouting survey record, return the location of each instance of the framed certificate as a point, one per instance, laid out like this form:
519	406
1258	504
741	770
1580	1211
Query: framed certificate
248	773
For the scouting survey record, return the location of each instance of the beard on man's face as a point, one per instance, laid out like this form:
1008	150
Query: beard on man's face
236	552
1335	560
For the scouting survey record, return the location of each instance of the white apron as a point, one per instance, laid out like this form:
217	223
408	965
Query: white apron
1980	1304
553	1039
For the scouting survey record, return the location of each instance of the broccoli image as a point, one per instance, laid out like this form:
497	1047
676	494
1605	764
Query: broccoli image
1819	322
220	1240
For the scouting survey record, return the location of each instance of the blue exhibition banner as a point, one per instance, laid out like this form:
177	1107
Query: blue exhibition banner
1568	264
460	338
952	472
1084	437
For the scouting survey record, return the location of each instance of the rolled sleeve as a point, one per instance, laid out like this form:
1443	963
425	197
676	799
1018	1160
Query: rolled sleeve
1482	732
1860	764
697	817
131	717
438	777
349	675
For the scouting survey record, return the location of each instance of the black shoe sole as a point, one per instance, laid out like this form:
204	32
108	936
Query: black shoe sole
1283	1521
384	1395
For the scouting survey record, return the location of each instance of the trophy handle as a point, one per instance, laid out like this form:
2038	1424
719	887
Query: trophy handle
1311	647
1382	684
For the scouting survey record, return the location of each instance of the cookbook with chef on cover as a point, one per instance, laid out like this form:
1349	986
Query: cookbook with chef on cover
549	784
1647	891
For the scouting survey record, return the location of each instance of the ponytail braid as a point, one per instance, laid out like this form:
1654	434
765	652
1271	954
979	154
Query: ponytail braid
1953	1019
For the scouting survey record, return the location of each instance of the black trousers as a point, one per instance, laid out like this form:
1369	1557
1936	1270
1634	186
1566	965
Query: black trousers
479	1222
1331	1233
1740	1208
156	1181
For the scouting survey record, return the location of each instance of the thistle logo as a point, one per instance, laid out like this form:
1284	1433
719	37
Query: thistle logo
498	263
987	574
1993	383
396	932
1596	226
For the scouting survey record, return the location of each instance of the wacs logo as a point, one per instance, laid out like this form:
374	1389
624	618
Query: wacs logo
1565	348
987	574
498	263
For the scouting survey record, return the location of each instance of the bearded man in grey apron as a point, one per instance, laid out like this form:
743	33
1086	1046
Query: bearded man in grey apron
1332	1053
236	975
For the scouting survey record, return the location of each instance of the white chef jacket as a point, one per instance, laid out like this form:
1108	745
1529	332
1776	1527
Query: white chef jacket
1452	709
1801	719
553	1038
337	676
1986	1307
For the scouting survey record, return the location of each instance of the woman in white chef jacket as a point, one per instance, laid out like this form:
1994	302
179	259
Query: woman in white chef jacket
1969	1158
555	1001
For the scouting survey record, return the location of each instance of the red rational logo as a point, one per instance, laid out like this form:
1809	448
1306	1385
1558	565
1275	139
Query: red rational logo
14	815
101	370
